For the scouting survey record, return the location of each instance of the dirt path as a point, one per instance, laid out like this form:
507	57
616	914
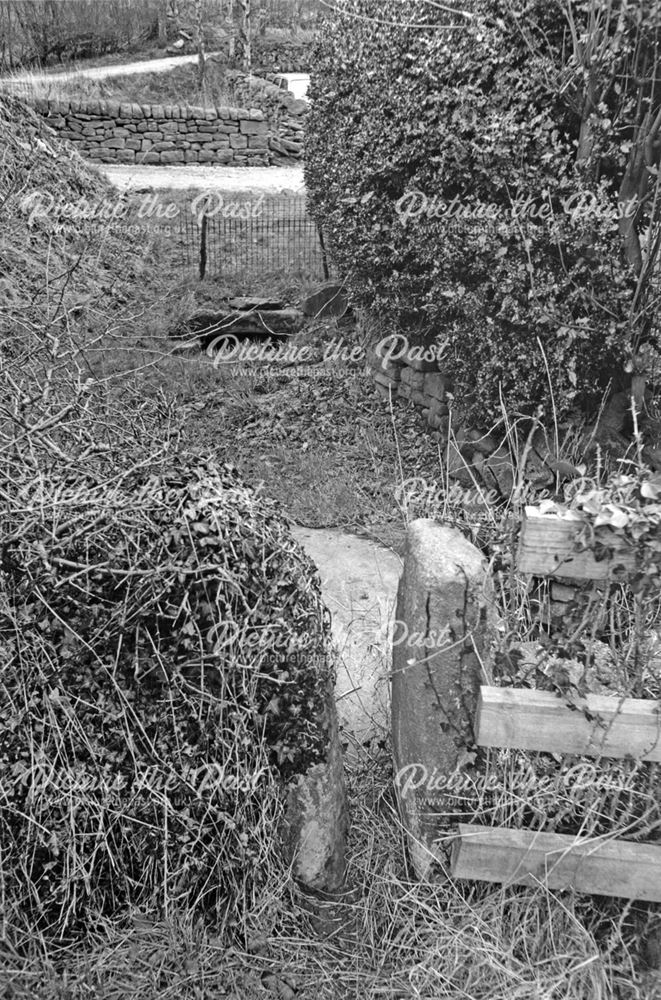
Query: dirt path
102	72
270	180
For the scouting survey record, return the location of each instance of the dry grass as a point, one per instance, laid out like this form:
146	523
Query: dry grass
176	86
387	936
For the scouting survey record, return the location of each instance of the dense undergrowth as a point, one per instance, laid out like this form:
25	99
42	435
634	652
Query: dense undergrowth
164	648
471	170
181	891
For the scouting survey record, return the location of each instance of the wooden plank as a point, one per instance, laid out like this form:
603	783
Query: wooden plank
525	857
547	547
540	720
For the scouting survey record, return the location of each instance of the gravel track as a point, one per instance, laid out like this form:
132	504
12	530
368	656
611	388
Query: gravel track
270	180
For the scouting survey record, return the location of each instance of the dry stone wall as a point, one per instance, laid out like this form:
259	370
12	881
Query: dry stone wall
284	112
111	132
475	456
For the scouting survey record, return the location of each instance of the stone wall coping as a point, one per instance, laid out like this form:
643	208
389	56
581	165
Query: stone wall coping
115	109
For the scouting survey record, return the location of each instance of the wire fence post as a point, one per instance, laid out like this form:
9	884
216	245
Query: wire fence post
324	258
203	246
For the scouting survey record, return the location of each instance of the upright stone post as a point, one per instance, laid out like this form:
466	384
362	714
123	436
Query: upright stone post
440	634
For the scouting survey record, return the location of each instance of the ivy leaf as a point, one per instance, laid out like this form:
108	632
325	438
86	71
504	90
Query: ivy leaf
651	490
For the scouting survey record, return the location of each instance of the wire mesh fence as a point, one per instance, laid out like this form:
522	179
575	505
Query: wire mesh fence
221	238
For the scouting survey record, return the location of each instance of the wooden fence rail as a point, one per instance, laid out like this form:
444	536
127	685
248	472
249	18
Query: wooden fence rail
600	726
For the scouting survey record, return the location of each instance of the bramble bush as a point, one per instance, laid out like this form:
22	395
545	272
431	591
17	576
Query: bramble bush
163	664
490	108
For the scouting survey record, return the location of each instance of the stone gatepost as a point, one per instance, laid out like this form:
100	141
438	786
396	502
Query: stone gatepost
440	637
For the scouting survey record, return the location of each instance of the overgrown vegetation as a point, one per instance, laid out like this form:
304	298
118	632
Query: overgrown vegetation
94	408
178	86
38	32
164	655
41	33
478	196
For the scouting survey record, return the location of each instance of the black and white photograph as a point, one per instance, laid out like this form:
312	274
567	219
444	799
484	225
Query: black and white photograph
330	499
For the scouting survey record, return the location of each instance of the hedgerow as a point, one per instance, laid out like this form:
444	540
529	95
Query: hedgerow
486	108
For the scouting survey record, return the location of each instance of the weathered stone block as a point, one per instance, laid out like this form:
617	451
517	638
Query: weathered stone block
437	407
172	156
247	127
150	158
292	148
297	107
134	144
316	818
459	466
207	156
125	111
190	156
443	601
161	146
435	385
125	156
439	421
146	110
257	142
113	143
415	379
239	141
330	300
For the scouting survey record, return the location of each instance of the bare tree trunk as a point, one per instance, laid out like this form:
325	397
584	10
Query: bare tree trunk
246	55
162	15
199	41
231	47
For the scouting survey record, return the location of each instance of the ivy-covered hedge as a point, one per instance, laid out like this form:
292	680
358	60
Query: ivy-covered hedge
480	112
164	664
